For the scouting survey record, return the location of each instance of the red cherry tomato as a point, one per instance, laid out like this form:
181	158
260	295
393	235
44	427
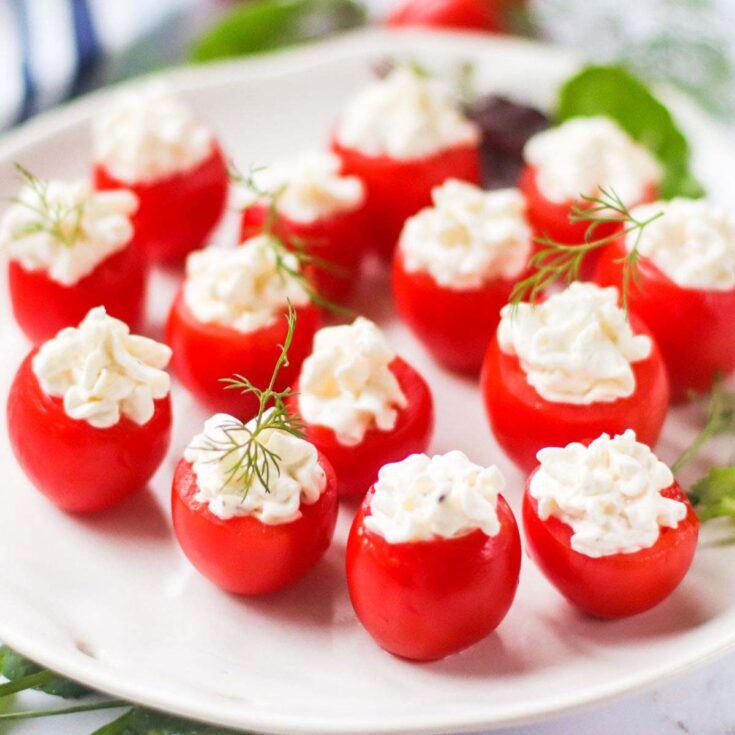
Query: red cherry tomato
425	600
42	306
397	189
339	240
456	326
523	422
617	585
483	15
203	354
177	213
243	555
79	467
357	466
693	328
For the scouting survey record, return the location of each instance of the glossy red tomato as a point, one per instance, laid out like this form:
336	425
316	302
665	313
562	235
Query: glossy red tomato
177	213
456	326
617	585
693	328
483	15
77	466
523	422
205	353
244	555
42	306
341	240
357	466
397	189
425	600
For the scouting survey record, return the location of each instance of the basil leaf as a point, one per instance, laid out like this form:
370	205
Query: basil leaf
714	495
139	721
614	92
265	25
15	667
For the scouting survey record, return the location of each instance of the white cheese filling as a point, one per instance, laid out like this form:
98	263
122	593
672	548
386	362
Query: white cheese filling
217	456
406	115
66	229
145	134
308	187
575	347
243	287
445	496
346	384
609	493
103	372
693	243
584	154
469	237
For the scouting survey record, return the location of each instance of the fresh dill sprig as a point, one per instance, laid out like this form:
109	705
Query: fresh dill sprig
54	219
558	261
253	460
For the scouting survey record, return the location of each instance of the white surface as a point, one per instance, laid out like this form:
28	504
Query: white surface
111	600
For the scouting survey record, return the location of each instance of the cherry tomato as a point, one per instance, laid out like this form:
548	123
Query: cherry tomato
357	466
617	585
397	189
523	422
42	306
77	466
203	354
425	600
456	326
243	555
340	241
483	15
693	328
177	213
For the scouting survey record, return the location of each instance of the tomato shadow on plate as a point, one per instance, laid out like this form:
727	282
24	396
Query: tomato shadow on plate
491	657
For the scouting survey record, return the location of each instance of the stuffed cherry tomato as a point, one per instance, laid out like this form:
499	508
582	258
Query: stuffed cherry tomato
685	288
481	15
318	211
433	556
361	406
89	413
570	368
227	320
71	249
580	157
455	267
246	537
149	142
608	525
403	136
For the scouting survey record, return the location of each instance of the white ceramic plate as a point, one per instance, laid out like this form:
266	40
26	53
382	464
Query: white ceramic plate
112	602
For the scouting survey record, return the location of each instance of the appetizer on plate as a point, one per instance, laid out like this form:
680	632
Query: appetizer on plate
71	249
312	207
89	413
433	556
608	525
684	288
360	404
570	368
227	320
404	135
147	141
455	267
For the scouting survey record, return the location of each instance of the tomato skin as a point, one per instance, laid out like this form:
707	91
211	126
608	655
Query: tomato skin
80	468
177	213
397	189
455	326
357	467
205	353
340	239
692	327
618	585
242	555
42	306
428	599
482	15
523	422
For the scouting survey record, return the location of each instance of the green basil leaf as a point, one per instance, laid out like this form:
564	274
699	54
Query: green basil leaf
139	721
15	666
714	495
